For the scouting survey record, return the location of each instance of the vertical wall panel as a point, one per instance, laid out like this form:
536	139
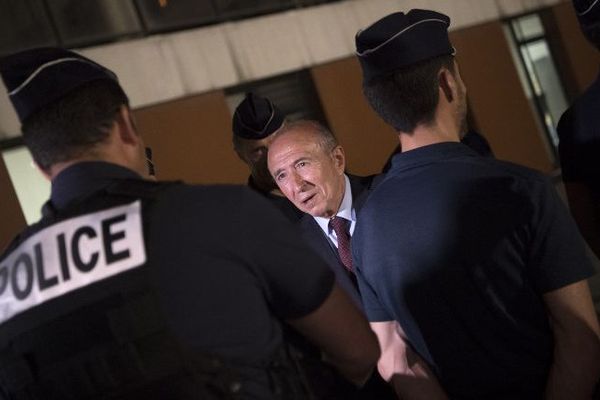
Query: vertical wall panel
499	106
12	219
582	58
368	141
191	140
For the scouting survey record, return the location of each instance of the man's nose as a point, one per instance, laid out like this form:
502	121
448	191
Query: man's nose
298	182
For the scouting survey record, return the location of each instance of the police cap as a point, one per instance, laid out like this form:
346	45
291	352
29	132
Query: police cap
399	40
588	13
256	118
38	77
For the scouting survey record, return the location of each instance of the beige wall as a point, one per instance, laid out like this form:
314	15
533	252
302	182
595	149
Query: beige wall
368	141
191	140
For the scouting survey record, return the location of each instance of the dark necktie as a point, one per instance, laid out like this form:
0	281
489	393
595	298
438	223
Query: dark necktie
341	228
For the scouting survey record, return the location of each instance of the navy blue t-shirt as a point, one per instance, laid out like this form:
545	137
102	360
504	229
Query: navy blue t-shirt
460	249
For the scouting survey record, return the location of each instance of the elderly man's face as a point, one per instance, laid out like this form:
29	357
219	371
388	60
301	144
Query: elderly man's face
309	175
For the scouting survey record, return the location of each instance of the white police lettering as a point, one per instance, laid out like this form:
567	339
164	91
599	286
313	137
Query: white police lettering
69	255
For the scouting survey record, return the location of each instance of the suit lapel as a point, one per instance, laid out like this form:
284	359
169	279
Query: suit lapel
316	237
361	187
319	242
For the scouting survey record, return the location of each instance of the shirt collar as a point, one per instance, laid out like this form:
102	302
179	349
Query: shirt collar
84	178
429	154
346	211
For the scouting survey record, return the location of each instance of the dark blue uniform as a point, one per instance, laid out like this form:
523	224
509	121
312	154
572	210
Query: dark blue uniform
579	146
460	249
122	276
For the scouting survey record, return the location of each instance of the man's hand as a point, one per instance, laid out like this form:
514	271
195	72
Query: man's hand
576	367
400	365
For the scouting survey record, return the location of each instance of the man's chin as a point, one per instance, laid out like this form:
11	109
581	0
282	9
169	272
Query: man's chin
314	211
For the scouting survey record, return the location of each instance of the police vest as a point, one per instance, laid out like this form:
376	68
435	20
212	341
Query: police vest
80	319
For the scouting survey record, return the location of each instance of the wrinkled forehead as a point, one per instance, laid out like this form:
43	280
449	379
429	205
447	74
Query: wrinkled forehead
294	146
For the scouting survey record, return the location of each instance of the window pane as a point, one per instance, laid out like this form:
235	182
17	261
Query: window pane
84	22
161	15
31	187
23	25
541	66
528	27
294	94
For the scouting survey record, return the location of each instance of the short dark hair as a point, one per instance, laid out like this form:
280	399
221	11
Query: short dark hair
327	139
72	125
408	96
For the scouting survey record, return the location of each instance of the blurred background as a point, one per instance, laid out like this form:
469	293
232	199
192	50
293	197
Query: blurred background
187	63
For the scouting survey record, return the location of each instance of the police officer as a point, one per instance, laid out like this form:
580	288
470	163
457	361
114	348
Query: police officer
477	259
135	289
579	146
256	122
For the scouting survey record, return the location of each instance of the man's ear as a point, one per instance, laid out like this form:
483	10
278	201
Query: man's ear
126	126
339	158
447	84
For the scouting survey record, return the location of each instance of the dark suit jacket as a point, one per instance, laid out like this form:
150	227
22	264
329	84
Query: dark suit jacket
316	238
376	387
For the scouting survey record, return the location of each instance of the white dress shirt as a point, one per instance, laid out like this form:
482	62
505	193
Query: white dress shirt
346	211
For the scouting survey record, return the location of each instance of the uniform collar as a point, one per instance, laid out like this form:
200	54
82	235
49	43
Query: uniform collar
429	154
84	178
